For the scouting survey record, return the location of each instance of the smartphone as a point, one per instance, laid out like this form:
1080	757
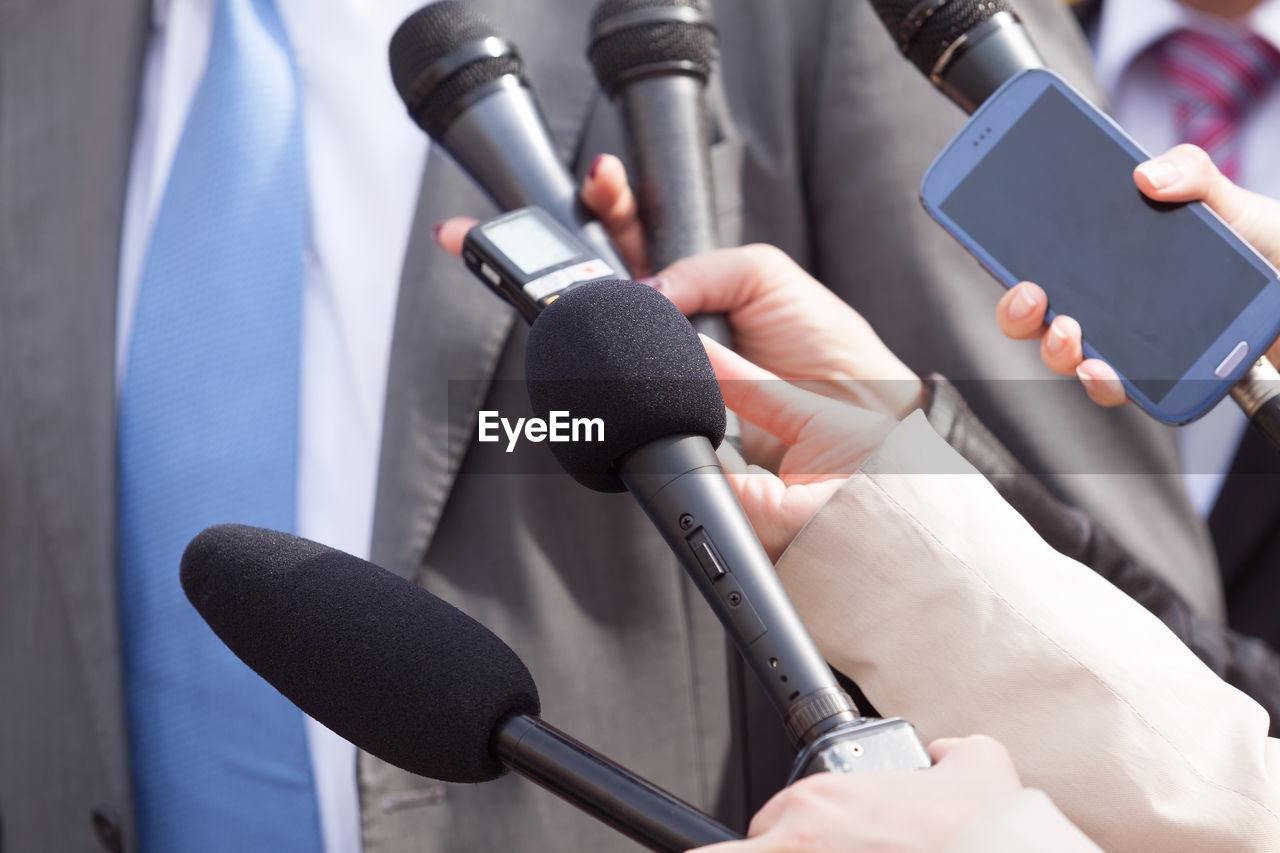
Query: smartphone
530	260
1038	186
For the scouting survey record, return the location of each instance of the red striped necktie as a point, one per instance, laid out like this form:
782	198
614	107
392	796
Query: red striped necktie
1217	79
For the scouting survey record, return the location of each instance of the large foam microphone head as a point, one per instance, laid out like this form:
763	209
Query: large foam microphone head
968	48
631	39
621	352
380	661
444	57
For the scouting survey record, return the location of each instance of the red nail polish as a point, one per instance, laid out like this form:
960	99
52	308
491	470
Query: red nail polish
595	166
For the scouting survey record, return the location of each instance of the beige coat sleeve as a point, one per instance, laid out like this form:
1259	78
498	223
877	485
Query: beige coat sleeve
1021	822
930	592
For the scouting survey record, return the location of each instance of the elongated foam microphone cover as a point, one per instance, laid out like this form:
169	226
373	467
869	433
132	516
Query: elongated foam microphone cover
379	660
621	352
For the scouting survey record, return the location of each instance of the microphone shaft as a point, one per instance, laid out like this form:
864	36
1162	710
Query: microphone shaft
501	142
608	792
680	485
666	124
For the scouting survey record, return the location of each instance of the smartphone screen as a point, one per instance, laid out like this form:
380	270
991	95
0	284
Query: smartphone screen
1154	286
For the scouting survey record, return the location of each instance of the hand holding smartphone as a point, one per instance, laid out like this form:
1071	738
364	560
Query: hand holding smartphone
1038	186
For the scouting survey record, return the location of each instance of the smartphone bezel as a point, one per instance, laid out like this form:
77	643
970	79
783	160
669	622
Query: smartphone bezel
1198	390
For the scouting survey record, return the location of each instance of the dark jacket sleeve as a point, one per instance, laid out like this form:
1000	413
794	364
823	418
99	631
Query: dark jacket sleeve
1247	663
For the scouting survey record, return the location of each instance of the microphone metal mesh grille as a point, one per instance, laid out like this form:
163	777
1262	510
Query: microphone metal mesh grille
430	35
949	21
620	53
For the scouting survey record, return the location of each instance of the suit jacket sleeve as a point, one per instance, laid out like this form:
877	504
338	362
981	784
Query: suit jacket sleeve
920	583
1245	662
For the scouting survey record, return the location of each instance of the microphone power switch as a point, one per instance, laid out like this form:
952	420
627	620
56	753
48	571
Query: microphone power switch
706	554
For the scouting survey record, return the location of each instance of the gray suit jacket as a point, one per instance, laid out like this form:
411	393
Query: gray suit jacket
823	133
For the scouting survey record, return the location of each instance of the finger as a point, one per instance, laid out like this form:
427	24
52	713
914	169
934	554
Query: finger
607	193
942	747
770	403
730	459
1060	347
728	279
1020	312
769	814
450	233
1186	173
1101	383
748	846
975	747
760	493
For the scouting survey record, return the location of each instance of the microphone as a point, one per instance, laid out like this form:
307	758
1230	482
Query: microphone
408	677
621	352
465	86
968	48
654	57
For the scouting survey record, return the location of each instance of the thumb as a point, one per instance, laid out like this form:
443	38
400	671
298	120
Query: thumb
1186	173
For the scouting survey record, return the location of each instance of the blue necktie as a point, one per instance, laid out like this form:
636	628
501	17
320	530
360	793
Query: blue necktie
208	433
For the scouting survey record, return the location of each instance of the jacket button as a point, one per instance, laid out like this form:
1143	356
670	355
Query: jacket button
108	831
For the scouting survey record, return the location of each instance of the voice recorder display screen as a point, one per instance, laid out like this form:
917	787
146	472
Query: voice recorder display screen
1153	285
529	244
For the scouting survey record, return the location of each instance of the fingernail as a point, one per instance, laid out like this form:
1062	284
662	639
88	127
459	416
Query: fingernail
595	166
1056	339
1160	173
657	282
1022	305
435	231
1089	383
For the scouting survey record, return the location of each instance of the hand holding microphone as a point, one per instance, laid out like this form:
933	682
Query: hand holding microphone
970	800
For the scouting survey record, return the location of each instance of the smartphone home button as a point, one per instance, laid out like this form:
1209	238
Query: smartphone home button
1232	361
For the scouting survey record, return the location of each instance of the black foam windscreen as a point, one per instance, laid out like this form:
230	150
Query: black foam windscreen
379	660
621	352
925	30
435	61
635	37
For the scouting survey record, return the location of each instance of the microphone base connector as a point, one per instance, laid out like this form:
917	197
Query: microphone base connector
1258	394
863	745
973	66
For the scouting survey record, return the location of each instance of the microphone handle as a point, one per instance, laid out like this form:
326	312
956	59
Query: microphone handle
680	485
608	792
666	120
502	142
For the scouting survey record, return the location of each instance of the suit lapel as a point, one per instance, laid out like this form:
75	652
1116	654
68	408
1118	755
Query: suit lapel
66	120
449	329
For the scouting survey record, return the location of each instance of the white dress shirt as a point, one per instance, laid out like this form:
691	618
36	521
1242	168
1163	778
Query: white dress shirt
1143	103
364	167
